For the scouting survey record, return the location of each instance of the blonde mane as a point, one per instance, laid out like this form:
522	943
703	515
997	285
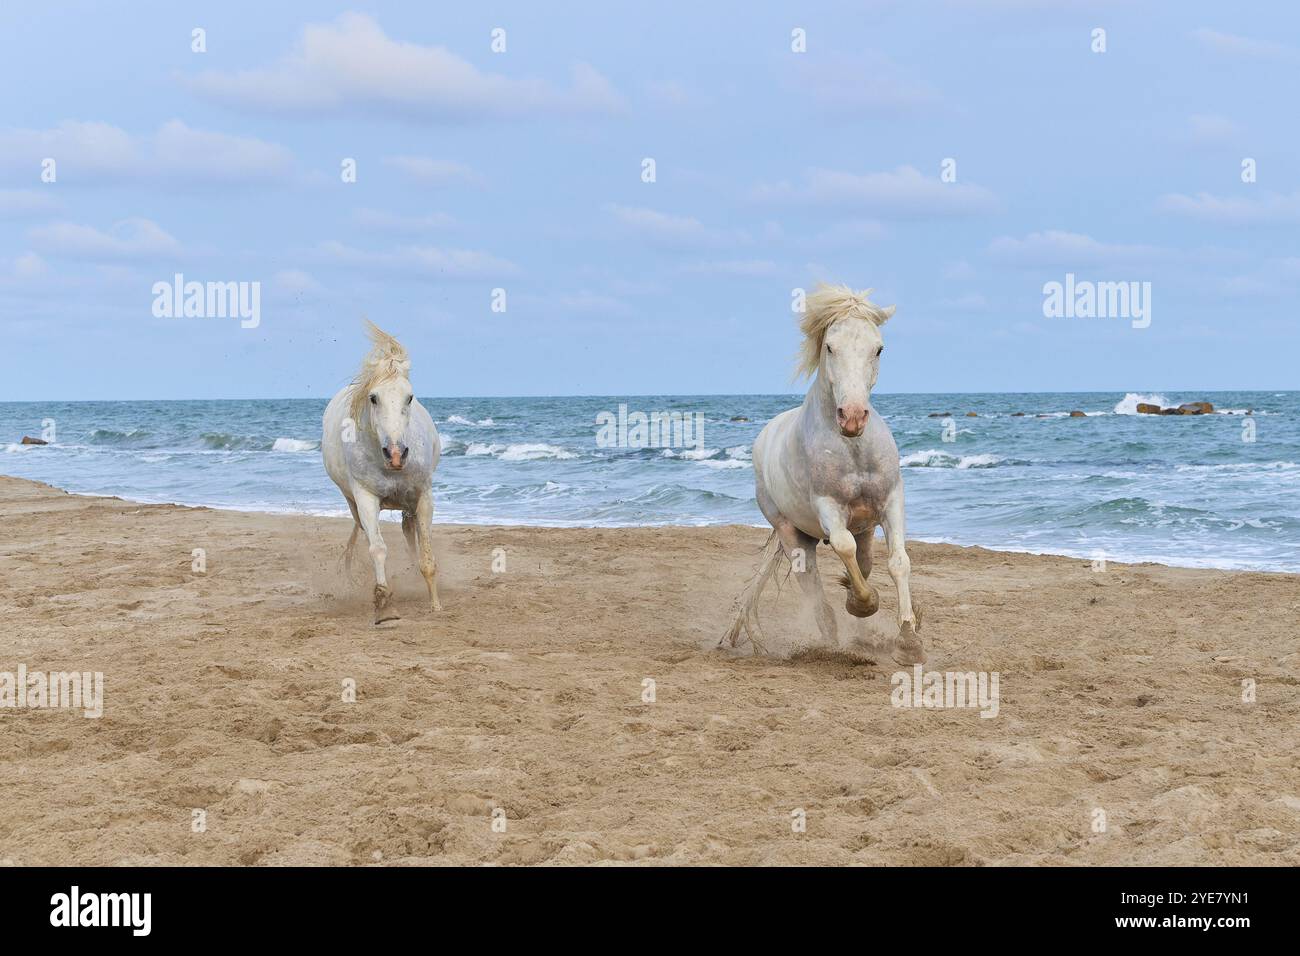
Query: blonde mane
387	359
824	307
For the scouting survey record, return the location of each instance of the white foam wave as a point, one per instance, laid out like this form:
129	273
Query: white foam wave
294	445
1129	403
521	452
931	458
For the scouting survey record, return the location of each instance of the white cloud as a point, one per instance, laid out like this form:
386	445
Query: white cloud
176	153
868	82
185	153
853	231
735	267
970	302
1212	128
376	220
667	229
1070	250
427	262
352	66
18	203
959	271
590	303
27	266
130	239
1267	208
433	172
1232	45
295	284
903	192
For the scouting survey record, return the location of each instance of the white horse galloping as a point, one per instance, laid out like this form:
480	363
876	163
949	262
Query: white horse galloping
828	471
381	447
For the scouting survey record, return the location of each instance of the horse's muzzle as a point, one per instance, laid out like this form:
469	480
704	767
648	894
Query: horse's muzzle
395	456
852	420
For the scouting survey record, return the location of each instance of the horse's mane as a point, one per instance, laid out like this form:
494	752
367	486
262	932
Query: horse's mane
824	306
387	359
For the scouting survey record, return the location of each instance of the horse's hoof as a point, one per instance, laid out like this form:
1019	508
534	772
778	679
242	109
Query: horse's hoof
383	605
907	655
860	608
907	649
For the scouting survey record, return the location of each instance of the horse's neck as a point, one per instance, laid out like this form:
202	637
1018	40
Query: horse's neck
820	401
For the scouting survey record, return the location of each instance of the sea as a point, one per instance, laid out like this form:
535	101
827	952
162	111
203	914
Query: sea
1220	490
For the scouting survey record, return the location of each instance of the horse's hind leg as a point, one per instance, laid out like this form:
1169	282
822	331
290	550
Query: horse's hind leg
423	523
745	616
801	549
408	532
368	514
350	550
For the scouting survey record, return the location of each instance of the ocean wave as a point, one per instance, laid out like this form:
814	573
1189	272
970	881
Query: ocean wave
690	454
461	420
107	436
940	459
738	456
530	451
1238	466
1129	403
294	445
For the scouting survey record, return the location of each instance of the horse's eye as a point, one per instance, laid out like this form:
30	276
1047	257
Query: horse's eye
408	399
374	400
829	350
879	350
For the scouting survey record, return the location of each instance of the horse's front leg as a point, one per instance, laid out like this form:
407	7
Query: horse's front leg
424	535
863	599
908	650
368	514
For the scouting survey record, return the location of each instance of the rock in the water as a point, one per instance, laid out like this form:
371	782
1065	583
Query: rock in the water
1078	414
1144	408
1017	414
1195	408
29	440
1170	411
739	418
972	415
940	415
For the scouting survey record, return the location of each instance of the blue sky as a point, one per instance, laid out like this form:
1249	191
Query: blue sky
522	170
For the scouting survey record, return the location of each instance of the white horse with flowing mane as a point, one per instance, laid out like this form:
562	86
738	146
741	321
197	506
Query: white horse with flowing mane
381	447
828	471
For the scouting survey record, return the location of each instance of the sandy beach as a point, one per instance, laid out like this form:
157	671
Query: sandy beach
1120	692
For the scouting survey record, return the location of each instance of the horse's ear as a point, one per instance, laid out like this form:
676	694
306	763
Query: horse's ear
884	314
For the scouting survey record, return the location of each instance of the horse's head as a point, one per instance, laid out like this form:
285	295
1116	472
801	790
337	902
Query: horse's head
390	412
382	392
842	343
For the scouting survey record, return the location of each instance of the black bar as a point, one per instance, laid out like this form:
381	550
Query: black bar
942	906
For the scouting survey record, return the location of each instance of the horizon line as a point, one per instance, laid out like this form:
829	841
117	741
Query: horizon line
317	398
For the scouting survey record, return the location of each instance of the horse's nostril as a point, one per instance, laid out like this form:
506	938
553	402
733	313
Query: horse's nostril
406	451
